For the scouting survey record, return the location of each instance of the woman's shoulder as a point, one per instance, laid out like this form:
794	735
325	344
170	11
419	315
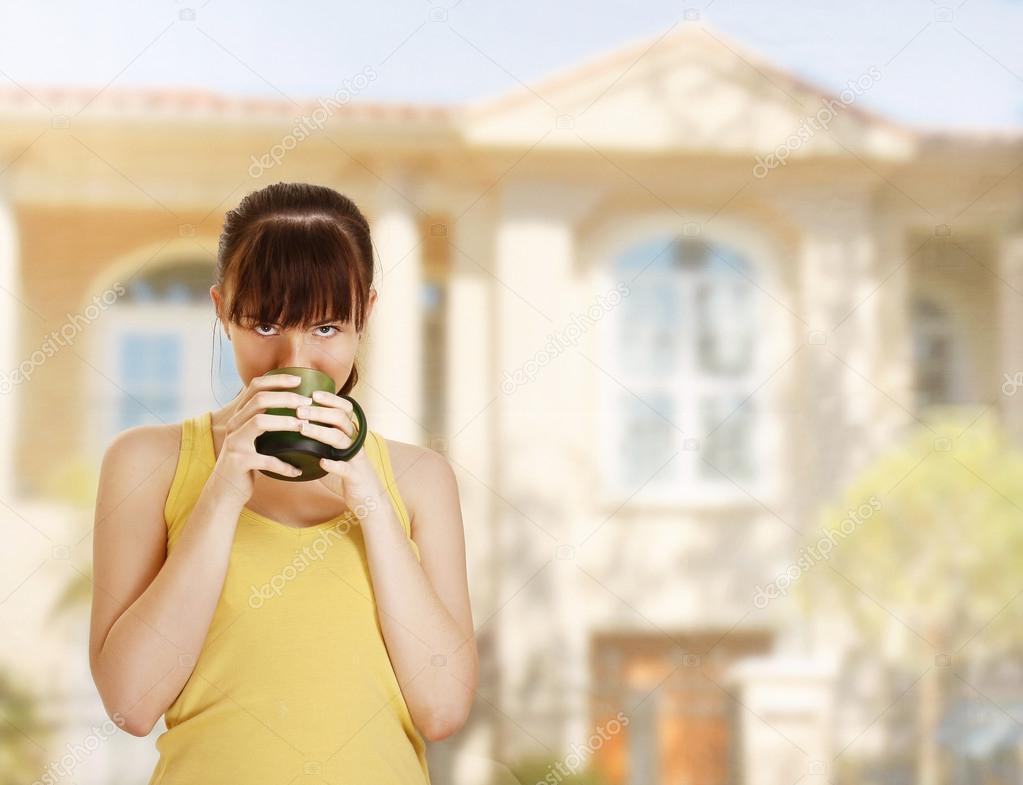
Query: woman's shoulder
414	467
406	458
157	440
149	451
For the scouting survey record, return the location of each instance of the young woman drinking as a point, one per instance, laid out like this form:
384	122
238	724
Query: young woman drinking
287	631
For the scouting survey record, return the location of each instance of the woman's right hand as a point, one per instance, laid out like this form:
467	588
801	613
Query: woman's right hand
238	460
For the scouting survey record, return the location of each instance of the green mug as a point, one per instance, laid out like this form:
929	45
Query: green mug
301	451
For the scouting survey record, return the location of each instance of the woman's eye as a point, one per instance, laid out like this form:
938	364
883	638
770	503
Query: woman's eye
266	330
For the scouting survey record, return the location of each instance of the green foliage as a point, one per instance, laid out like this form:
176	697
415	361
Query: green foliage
542	770
935	551
73	480
23	737
75	597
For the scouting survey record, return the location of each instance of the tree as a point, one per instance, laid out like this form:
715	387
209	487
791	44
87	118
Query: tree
927	549
23	735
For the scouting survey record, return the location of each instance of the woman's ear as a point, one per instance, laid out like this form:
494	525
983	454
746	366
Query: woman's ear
370	302
215	296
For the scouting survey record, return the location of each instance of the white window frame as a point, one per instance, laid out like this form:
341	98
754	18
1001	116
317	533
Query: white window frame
193	322
691	488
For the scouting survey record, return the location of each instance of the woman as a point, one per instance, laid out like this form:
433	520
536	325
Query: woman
287	630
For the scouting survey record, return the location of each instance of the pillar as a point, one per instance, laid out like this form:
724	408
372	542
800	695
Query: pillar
541	636
1010	307
785	719
11	311
392	384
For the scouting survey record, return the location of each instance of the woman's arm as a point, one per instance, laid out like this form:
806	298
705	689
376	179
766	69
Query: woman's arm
151	612
424	609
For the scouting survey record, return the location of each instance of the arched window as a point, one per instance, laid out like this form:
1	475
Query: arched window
154	350
683	354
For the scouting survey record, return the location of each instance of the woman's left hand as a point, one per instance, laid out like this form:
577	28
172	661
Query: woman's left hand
354	480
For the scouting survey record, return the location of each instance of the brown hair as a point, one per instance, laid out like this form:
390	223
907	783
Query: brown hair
293	254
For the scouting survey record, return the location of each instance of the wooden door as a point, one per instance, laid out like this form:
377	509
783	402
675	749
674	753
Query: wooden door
679	709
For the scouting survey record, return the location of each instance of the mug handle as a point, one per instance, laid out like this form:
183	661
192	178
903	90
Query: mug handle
346	454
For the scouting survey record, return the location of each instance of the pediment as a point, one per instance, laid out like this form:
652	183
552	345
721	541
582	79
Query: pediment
692	91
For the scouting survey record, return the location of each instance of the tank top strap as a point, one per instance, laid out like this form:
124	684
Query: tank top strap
195	462
380	457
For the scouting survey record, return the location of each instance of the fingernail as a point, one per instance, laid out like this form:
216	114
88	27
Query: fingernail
320	395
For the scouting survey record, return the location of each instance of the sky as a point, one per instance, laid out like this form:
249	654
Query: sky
945	64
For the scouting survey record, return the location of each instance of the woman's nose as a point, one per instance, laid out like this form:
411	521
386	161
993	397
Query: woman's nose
298	353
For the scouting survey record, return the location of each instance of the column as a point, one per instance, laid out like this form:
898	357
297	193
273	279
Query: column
1009	293
838	393
893	331
392	381
468	442
785	720
471	393
10	311
541	641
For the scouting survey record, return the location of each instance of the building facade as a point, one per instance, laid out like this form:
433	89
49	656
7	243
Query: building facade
655	310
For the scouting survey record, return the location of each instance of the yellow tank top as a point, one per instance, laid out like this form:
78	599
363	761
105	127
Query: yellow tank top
293	683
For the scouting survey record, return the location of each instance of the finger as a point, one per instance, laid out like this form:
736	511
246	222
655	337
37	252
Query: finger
262	401
333	436
334	479
337	468
273	380
272	399
334	482
261	423
336	417
331	400
273	464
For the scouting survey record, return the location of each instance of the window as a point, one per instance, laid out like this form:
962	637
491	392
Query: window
683	349
149	364
934	354
153	350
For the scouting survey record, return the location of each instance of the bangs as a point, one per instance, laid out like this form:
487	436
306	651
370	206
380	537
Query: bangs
293	272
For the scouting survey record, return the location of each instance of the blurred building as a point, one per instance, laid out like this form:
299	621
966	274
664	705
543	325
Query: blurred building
655	310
